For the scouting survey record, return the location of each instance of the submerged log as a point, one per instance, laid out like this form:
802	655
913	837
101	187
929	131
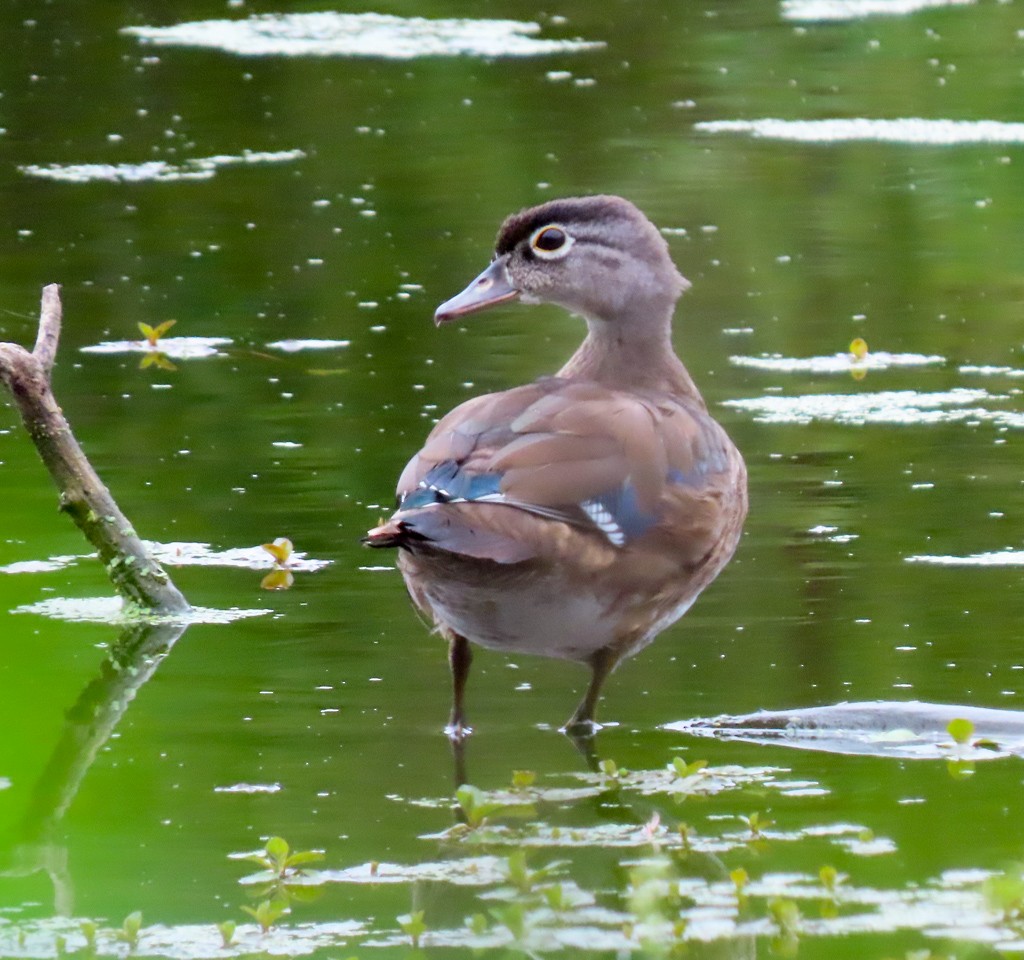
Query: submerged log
137	577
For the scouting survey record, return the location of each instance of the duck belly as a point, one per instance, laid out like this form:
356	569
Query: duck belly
518	609
514	611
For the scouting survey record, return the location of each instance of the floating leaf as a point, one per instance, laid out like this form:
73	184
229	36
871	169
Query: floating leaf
157	359
960	729
153	334
281	549
521	779
278	579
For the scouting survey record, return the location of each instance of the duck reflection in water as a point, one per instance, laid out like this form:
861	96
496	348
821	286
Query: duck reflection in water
580	515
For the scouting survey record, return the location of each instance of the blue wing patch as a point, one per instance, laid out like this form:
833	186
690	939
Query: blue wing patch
616	514
447	483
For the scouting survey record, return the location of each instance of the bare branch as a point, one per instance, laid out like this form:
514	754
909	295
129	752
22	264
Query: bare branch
45	350
135	574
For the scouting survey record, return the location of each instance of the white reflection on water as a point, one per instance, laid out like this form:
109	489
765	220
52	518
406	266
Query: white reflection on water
198	168
177	348
836	363
996	558
294	346
112	610
330	34
852	9
184	554
906	407
915	130
990	371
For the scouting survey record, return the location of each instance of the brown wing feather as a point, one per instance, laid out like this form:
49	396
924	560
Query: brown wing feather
558	443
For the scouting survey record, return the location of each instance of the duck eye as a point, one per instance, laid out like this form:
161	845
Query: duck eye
551	241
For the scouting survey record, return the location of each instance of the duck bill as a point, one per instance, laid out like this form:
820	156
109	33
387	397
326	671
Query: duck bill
487	290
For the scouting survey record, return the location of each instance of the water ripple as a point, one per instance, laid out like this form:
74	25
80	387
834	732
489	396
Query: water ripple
819	10
154	171
913	130
906	407
330	34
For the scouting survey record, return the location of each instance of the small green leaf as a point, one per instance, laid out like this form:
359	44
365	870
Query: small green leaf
829	877
786	914
301	857
740	878
267	912
475	806
478	924
130	928
153	334
277	849
684	769
960	729
555	896
89	929
412	926
513	917
521	779
227	932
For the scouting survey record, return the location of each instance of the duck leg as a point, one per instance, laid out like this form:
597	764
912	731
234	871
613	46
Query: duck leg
582	722
460	657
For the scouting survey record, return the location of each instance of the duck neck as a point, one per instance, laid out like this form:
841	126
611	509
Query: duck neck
633	354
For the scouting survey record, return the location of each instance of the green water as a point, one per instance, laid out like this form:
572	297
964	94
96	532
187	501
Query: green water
320	721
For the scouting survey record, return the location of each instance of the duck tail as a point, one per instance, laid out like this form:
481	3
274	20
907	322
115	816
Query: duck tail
393	533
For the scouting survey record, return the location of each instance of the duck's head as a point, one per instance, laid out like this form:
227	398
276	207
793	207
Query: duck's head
598	256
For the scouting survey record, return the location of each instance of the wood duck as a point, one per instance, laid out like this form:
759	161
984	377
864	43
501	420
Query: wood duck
580	515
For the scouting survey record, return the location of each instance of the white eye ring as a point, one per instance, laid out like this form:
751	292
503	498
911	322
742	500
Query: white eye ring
551	253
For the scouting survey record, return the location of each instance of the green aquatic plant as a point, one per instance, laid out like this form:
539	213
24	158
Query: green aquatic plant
555	898
131	928
684	770
413	926
1005	892
655	904
960	729
476	808
757	823
787	917
523	779
830	878
267	912
153	334
89	930
522	877
281	860
512	916
226	929
478	924
740	878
